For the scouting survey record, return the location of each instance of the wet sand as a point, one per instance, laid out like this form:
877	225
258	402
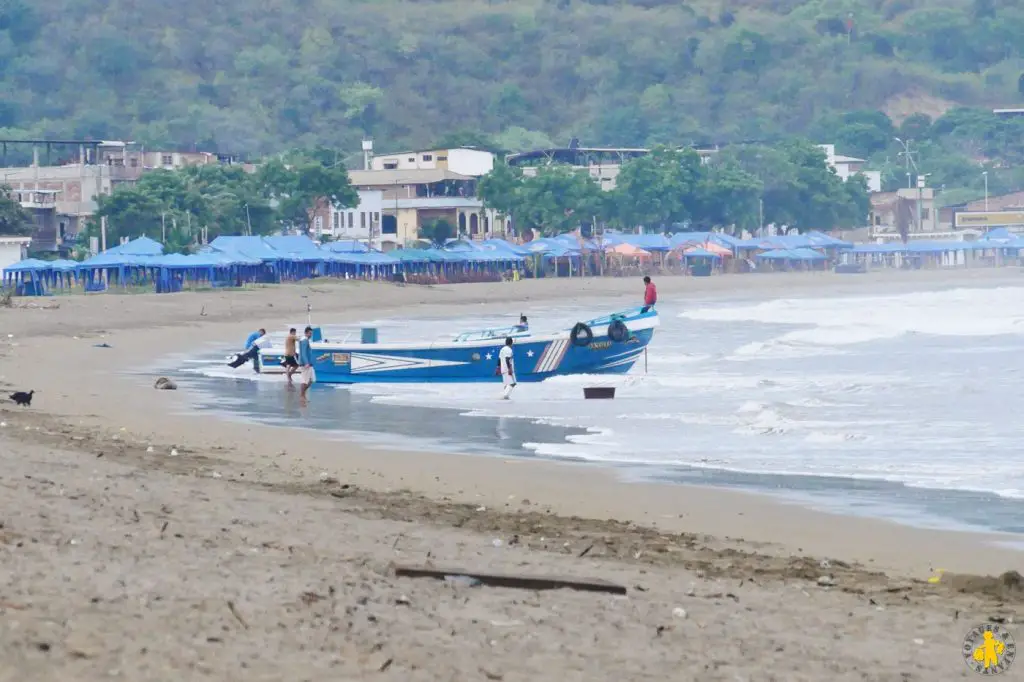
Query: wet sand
101	589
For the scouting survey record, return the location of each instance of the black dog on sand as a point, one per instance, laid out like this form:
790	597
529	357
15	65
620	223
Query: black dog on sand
22	398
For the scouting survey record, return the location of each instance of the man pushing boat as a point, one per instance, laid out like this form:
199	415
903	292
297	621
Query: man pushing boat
257	340
506	368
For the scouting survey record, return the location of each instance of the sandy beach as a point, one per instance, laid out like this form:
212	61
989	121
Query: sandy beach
232	559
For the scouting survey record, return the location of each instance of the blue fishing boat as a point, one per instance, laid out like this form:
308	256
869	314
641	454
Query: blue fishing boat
605	345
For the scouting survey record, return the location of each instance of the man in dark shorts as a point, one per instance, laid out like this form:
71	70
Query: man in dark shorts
290	359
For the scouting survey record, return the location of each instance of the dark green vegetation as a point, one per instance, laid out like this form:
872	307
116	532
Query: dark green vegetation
180	207
953	150
788	184
14	220
244	76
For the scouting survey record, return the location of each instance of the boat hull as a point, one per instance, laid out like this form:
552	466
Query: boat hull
535	358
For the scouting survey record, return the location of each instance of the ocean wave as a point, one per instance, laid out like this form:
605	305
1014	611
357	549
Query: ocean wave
861	319
785	388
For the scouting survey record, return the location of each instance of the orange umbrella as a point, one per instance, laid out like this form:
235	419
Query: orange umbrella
629	250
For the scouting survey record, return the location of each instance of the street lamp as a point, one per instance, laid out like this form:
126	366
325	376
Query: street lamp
907	158
984	174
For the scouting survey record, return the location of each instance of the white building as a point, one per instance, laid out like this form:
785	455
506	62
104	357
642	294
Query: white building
462	160
356	222
847	166
12	250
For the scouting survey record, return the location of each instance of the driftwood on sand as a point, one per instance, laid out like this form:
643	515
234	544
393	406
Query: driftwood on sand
525	582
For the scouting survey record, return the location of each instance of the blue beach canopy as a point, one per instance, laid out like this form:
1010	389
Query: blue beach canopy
29	265
143	246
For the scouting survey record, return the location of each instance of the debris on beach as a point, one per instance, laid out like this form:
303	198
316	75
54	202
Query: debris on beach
827	581
515	581
327	478
461	581
165	384
1007	586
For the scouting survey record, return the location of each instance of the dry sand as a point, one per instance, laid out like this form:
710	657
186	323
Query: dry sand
232	560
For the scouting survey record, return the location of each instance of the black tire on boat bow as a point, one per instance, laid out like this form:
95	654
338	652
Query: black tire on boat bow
618	331
581	334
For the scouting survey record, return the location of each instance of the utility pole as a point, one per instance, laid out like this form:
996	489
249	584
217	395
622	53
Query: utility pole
920	188
163	227
103	233
985	175
248	221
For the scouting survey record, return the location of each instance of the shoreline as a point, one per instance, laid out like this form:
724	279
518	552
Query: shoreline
906	505
67	346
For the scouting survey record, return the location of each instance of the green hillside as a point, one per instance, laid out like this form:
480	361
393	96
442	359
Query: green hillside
253	77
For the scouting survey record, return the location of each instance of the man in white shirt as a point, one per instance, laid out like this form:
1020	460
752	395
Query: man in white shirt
506	368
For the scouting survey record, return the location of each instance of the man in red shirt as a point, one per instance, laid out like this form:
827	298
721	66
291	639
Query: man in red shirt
650	295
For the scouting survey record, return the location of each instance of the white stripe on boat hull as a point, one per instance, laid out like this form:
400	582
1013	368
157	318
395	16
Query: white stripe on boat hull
363	363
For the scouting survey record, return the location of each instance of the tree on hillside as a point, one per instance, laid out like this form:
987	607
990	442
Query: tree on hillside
14	220
800	190
179	206
297	189
501	189
658	189
727	196
556	200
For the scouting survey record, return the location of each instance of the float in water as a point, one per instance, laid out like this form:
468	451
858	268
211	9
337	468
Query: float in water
605	345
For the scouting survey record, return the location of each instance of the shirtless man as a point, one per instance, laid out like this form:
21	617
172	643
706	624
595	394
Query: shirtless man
291	354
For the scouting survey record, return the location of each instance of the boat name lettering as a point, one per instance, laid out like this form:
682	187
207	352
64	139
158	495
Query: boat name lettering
323	358
600	345
340	358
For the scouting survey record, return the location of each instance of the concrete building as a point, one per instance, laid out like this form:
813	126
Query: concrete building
1001	210
461	160
361	222
467	215
412	197
97	169
891	211
847	166
51	229
603	164
12	250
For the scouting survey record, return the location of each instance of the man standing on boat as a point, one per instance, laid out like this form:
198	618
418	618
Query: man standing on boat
650	295
506	368
523	325
306	362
